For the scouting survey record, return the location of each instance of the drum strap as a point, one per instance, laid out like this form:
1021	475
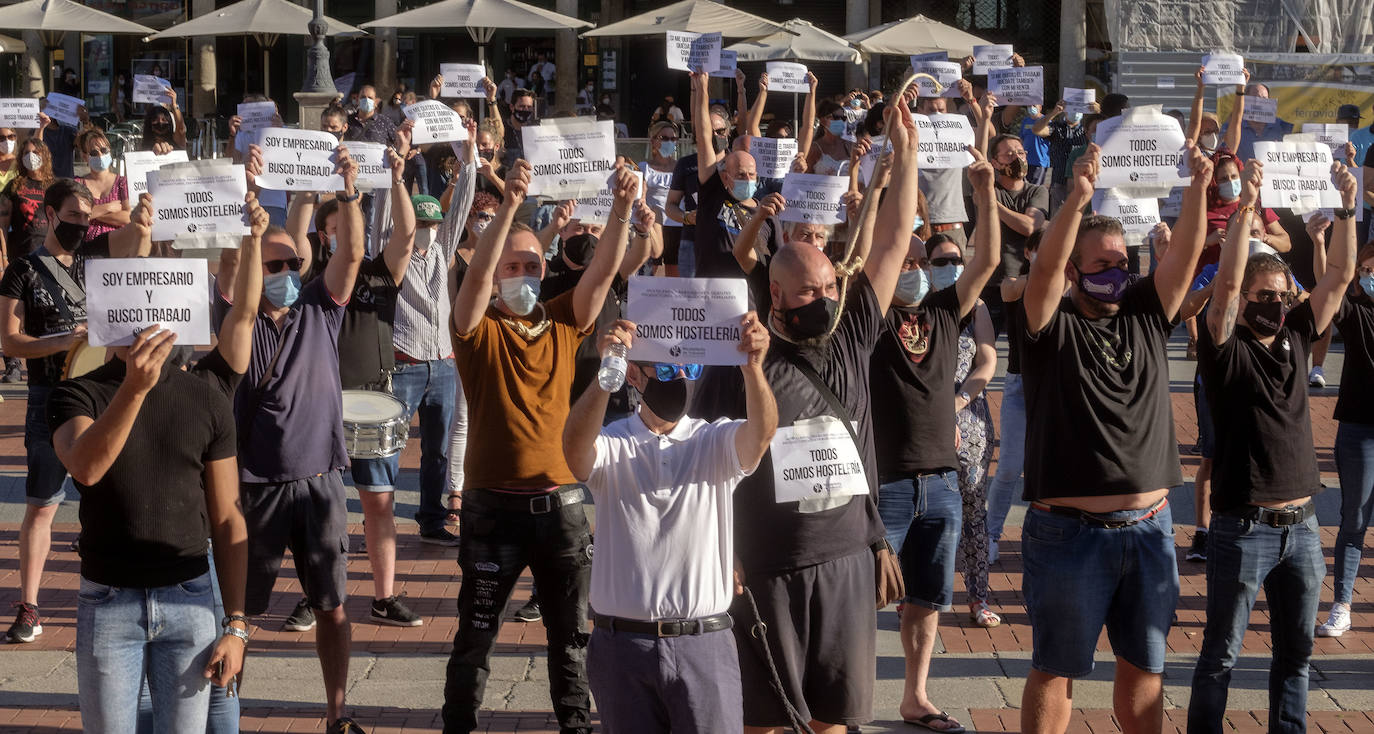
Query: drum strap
65	291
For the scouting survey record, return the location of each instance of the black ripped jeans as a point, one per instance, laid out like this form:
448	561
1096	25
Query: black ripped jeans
497	543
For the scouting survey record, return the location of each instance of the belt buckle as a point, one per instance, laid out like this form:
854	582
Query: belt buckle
662	631
548	504
1116	524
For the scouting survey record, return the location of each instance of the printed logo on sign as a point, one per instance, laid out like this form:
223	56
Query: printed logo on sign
675	350
290	182
1135	175
818	488
191	227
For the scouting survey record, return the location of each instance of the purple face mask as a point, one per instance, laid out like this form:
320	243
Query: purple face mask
1107	285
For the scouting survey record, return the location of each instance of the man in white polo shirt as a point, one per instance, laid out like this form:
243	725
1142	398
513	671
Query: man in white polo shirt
662	657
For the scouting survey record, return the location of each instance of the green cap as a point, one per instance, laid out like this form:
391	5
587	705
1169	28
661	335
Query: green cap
427	208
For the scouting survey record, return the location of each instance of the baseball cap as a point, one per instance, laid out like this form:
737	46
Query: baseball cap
1348	112
427	208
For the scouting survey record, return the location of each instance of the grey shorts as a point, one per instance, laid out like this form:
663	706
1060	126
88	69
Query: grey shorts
309	516
822	630
647	685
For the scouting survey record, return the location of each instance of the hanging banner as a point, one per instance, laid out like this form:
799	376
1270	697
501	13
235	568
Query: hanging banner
687	320
994	56
299	160
786	76
773	157
1222	68
124	296
1142	148
463	81
1310	88
19	113
569	157
813	199
435	122
1018	85
693	51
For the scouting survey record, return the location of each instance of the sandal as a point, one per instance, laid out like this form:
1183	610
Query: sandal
983	616
925	721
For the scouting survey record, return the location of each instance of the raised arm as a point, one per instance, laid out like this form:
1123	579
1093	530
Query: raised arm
643	240
1174	275
760	408
401	243
1221	318
701	128
179	123
1233	126
892	232
342	269
588	414
1046	282
562	214
590	293
1317	227
806	128
745	250
987	239
475	292
299	214
741	101
1340	265
751	122
1042	125
236	332
982	120
135	238
1195	112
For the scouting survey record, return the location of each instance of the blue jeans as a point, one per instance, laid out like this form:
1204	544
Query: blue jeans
1355	463
44	482
922	517
1011	456
169	631
1242	555
687	258
431	389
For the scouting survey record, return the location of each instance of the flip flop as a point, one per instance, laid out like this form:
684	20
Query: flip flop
924	723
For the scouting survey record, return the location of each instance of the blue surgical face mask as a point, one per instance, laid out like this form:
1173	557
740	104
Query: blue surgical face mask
667	148
99	162
1229	189
743	189
366	105
944	276
856	103
912	286
1033	110
520	293
836	127
282	289
1367	285
917	223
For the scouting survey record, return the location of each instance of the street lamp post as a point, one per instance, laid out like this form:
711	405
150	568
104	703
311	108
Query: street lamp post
317	78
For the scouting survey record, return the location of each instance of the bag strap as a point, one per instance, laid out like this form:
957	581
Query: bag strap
59	284
829	395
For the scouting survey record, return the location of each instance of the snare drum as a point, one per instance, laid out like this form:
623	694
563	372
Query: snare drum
82	358
374	424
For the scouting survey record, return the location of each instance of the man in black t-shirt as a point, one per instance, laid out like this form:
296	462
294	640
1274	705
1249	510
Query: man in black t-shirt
919	500
807	532
725	201
1264	531
42	316
1101	454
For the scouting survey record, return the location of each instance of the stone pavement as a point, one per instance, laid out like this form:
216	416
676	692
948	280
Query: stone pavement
396	679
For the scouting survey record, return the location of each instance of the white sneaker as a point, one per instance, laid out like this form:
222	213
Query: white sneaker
1316	378
1337	622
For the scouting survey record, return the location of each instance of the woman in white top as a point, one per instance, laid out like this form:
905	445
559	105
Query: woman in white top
658	176
829	156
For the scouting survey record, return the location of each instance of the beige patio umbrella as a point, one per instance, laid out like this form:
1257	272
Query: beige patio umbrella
53	19
264	20
12	45
915	35
481	18
799	41
695	16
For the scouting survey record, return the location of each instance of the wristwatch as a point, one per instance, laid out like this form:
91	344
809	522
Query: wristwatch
229	629
1343	213
345	198
966	398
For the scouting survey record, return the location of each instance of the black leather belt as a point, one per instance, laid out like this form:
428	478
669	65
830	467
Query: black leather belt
541	504
1097	521
1274	518
665	627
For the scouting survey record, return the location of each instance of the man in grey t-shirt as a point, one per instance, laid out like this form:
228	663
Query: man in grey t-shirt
1022	207
944	188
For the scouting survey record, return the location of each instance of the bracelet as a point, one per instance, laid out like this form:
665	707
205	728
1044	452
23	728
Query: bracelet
1343	213
344	197
644	235
236	632
626	220
236	618
880	546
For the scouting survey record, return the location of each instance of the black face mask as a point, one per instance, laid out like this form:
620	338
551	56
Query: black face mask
522	116
1016	169
811	320
579	248
486	155
667	400
1265	319
68	235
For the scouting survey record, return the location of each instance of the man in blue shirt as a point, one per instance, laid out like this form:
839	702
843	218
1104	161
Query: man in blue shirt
1252	132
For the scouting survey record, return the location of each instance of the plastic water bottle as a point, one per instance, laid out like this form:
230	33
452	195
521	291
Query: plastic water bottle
612	373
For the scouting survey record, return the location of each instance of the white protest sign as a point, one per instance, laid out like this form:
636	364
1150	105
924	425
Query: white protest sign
19	113
947	73
254	117
1172	205
1334	134
463	80
1297	175
918	59
1137	215
729	61
787	76
693	51
198	199
1019	85
1143	147
877	147
687	320
772	156
126	295
299	160
813	198
1260	109
371	159
1223	68
149	89
597	209
435	122
995	56
1079	101
137	164
944	141
569	157
815	459
64	109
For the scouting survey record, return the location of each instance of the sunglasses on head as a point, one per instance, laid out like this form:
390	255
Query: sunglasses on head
1269	296
668	372
275	266
947	260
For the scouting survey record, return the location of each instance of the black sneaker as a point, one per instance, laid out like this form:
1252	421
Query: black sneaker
1198	550
393	612
439	536
529	613
302	618
26	625
345	725
12	373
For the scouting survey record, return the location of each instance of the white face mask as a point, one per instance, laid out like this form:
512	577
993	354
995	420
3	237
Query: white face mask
1209	141
33	161
519	293
424	237
479	226
333	244
7	146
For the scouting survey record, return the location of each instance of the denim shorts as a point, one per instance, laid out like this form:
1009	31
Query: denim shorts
923	517
46	480
1079	578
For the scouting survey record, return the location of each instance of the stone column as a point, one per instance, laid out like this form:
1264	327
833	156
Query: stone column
855	19
567	61
1073	43
384	50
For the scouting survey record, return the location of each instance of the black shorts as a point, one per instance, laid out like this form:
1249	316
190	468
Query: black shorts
309	516
822	630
